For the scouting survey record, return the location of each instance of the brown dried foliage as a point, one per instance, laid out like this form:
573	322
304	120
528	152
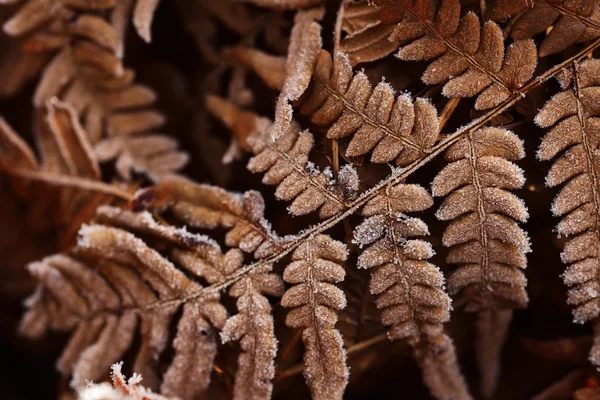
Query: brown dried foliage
571	21
87	71
189	280
469	55
410	290
484	237
573	137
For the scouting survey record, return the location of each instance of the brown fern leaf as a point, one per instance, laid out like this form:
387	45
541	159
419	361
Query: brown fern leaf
305	44
66	158
410	290
271	69
470	57
254	326
316	265
113	286
572	114
393	128
367	38
254	323
17	67
115	113
285	163
63	145
88	73
35	13
485	239
209	207
571	21
142	17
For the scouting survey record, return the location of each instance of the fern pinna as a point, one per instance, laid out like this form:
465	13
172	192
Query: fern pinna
214	291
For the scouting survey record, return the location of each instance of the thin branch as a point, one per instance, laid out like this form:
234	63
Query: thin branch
355	348
448	110
71	181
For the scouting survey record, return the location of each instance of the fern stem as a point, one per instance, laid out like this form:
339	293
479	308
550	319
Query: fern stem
448	110
71	181
355	348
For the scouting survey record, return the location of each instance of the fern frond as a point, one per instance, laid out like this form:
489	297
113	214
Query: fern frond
116	112
573	141
469	56
111	288
209	207
254	326
410	290
484	237
305	44
88	73
572	22
316	266
35	13
393	128
65	152
285	162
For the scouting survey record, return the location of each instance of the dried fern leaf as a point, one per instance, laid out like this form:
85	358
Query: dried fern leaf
410	290
34	13
571	21
393	128
286	164
142	17
16	66
253	327
114	288
209	207
367	38
271	69
305	44
116	113
66	157
573	141
316	266
469	56
484	237
88	73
